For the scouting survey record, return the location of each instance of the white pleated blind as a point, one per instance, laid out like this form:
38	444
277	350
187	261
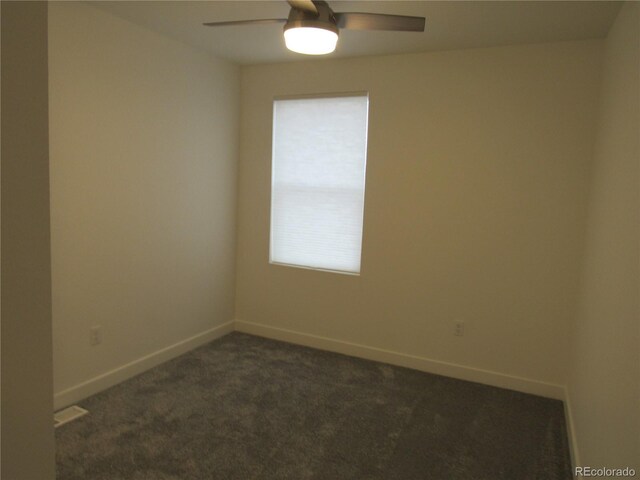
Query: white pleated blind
318	177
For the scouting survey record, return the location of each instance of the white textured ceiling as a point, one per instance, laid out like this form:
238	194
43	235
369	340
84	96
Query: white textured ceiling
450	25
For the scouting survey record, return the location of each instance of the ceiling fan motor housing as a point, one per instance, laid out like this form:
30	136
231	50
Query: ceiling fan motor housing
324	19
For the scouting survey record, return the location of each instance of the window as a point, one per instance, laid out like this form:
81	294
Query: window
317	183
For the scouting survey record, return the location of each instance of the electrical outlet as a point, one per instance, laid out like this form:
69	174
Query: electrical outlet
458	328
95	335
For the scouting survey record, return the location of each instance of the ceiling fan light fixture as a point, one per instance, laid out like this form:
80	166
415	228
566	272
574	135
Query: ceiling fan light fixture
312	26
310	40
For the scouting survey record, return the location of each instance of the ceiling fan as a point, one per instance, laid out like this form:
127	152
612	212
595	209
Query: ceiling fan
312	27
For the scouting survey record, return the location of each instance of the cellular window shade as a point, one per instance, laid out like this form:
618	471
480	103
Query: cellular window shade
318	178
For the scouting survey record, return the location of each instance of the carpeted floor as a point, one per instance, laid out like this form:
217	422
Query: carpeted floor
249	408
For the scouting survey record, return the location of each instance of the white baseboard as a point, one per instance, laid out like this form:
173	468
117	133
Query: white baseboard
571	431
117	375
461	372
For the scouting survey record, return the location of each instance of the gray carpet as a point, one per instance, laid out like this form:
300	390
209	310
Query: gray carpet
249	408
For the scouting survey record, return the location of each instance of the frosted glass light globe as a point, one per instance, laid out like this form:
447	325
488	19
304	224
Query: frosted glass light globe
310	40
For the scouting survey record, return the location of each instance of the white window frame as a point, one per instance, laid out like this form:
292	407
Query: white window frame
273	153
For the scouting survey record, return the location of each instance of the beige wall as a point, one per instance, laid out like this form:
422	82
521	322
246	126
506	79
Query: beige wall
604	385
475	206
143	186
26	412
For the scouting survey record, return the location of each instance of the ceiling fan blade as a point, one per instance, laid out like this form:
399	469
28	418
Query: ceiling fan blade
379	21
306	5
264	21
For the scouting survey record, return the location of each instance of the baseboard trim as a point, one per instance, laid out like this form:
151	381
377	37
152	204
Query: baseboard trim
571	431
117	375
461	372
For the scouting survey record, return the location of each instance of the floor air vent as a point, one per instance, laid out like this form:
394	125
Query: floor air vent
67	415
